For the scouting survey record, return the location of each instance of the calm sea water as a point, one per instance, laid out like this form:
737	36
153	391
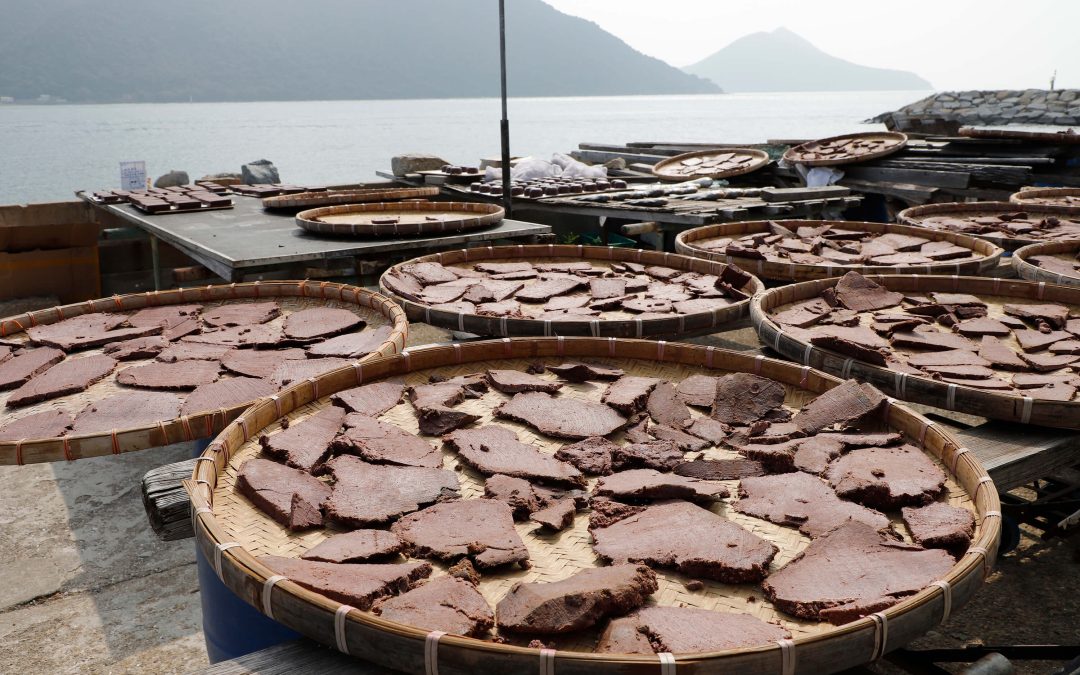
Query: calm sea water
48	152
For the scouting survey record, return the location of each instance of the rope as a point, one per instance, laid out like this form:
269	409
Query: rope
667	663
946	592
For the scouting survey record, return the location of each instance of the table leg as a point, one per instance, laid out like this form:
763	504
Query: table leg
156	259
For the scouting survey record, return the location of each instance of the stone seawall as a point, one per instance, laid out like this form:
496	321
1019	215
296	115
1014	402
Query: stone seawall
1060	107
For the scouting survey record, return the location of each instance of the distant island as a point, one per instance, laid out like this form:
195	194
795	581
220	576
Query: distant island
249	50
783	61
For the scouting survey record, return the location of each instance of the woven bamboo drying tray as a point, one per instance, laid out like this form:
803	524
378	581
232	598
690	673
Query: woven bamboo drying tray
915	215
309	200
1053	137
231	532
292	296
1047	196
662	169
987	254
894	142
622	324
924	390
1033	272
355	220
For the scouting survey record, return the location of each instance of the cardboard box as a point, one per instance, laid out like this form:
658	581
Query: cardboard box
25	227
71	274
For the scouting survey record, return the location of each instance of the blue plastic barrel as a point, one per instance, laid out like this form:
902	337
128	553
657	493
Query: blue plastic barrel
232	627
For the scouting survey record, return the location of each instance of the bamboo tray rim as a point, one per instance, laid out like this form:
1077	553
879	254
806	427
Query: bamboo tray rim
1025	409
988	254
900	138
257	584
913	216
185	428
760	156
357	195
1033	272
478	215
504	326
1021	196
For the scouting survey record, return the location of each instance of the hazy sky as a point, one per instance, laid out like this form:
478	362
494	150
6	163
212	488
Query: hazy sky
956	44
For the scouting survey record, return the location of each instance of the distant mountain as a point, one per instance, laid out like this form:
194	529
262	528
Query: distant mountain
784	61
238	50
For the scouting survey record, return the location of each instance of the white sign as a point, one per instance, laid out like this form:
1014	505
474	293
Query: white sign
132	175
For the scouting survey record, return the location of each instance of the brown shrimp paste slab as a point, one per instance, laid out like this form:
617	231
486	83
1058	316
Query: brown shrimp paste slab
583	372
577	602
801	500
742	398
177	375
45	424
698	390
857	293
127	410
136	348
446	604
686	630
356	585
305	444
67	377
629	393
497	450
352	345
688	538
226	394
88	330
514	382
561	417
655	454
320	322
480	529
853	571
381	443
666	407
370	399
842	405
18	369
371	494
241	314
355	547
649	484
590	455
939	525
168	316
887	478
258	362
720	469
285	494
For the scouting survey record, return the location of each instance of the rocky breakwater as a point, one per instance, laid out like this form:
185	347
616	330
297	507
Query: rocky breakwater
1027	106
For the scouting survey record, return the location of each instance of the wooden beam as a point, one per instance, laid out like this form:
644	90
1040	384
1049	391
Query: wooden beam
1015	454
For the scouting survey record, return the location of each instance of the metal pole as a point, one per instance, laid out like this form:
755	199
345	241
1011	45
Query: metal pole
504	125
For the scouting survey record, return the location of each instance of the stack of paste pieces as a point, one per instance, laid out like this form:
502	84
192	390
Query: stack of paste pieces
665	479
1021	348
169	361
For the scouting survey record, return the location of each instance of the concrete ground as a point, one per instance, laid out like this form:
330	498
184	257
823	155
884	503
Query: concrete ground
85	586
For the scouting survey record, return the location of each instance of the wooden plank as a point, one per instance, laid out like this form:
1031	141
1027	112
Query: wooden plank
774	194
913	194
951	179
298	656
1016	454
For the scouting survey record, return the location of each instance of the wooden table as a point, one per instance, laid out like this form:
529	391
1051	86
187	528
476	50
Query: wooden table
247	240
